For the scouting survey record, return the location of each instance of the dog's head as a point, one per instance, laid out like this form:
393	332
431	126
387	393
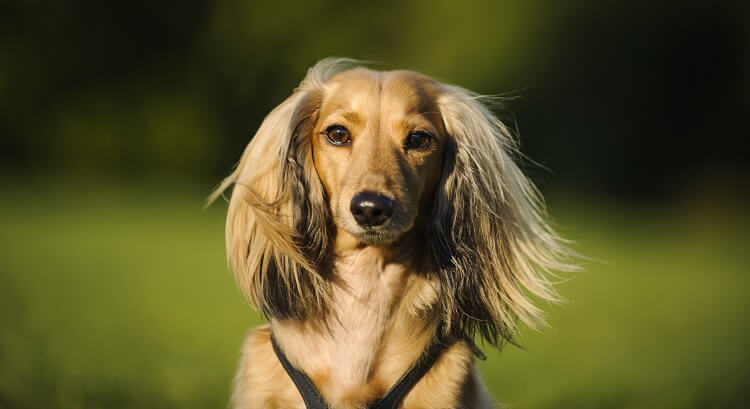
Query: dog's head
378	144
357	158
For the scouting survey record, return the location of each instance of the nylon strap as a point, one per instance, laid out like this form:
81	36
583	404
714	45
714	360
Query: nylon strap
391	400
305	386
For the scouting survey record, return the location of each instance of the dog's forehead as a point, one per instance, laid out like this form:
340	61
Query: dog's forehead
402	91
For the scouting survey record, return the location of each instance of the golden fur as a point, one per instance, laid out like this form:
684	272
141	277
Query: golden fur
353	306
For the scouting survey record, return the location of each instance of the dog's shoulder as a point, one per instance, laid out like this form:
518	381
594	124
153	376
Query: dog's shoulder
453	382
258	369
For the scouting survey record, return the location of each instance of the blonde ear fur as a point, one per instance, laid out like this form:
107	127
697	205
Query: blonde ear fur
277	223
492	247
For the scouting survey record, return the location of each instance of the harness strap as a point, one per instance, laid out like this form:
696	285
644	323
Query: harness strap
391	400
398	392
305	386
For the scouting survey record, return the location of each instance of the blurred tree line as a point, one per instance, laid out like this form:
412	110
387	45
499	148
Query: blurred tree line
639	99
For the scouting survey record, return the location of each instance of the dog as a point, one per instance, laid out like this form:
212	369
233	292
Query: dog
379	221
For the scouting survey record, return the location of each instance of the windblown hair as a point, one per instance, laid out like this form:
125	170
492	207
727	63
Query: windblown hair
490	252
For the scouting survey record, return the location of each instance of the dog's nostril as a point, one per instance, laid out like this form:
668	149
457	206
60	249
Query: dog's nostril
371	209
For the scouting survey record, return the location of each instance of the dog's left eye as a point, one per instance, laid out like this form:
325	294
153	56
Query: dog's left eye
337	135
418	140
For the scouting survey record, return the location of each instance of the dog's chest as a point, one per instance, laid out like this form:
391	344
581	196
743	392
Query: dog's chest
364	300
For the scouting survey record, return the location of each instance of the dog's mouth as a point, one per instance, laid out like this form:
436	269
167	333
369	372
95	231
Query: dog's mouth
385	234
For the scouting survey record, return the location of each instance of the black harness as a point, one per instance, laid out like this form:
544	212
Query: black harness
391	400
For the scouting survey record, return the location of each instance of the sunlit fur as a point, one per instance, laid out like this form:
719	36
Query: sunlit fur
468	252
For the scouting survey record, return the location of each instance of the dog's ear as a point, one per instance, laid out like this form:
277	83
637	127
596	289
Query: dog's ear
491	247
277	231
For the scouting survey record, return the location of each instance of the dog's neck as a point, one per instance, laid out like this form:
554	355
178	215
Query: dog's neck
371	338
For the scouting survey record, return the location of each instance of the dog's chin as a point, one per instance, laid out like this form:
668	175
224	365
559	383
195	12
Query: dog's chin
376	237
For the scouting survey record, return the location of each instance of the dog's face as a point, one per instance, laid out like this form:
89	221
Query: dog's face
378	147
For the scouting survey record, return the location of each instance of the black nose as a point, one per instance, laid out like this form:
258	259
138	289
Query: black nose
371	209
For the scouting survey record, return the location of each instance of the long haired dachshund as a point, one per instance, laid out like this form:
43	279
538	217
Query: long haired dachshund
379	221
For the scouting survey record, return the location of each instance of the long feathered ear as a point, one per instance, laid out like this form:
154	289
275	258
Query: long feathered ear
491	246
277	231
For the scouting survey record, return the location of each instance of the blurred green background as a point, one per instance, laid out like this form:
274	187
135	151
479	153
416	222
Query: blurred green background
116	120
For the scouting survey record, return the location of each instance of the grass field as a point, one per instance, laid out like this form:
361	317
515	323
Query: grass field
120	298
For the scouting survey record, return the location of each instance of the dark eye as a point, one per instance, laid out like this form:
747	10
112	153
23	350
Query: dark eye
418	140
337	135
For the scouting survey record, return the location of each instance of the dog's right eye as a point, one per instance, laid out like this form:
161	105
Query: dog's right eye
338	135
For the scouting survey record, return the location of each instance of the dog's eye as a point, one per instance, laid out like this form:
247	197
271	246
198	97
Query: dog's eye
338	135
418	140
